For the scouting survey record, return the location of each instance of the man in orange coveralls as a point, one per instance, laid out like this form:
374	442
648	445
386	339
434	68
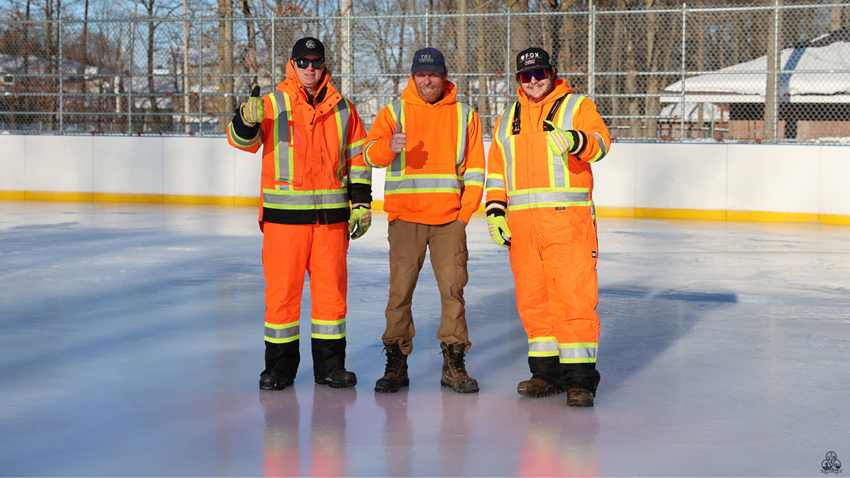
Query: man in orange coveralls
539	174
312	141
432	148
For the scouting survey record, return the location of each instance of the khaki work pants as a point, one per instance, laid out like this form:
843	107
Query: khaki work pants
408	244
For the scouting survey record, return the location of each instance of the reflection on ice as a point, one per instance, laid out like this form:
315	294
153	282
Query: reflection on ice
131	344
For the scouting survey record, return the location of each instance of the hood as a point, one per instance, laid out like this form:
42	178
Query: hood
411	96
560	90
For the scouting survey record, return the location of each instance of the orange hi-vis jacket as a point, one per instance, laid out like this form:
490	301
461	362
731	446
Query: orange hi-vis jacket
439	176
312	154
523	173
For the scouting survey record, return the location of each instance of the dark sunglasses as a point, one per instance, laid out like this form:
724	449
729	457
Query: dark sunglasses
303	62
539	75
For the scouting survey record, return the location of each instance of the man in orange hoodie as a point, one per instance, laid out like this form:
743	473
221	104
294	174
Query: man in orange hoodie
312	141
432	148
539	174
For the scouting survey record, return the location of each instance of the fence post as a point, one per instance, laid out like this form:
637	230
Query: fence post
200	75
427	27
508	55
61	83
274	52
777	67
684	52
130	76
591	52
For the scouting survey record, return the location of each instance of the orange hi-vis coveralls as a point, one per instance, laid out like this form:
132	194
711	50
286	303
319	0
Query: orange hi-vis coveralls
435	181
552	219
312	166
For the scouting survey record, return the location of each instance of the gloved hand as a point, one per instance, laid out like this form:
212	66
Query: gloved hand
361	220
253	109
560	142
499	230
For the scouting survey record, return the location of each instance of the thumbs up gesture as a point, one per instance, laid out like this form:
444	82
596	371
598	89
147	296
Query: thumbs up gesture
561	142
252	110
399	139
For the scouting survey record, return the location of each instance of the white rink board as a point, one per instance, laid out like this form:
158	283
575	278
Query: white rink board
699	176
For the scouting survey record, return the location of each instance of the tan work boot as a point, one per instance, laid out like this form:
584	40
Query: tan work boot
536	387
395	375
454	369
579	397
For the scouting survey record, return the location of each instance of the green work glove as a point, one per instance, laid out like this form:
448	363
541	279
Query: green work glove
560	142
253	109
499	230
359	221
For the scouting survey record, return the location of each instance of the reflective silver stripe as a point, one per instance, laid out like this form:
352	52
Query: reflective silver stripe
505	140
283	334
397	167
559	171
577	353
283	153
603	150
448	184
306	199
463	122
336	330
473	176
244	143
350	153
567	115
518	199
342	114
366	148
548	348
493	183
360	175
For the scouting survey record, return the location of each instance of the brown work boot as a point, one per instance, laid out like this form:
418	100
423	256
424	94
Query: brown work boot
395	375
579	397
536	387
454	369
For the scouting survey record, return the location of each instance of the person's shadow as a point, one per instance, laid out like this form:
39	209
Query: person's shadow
416	157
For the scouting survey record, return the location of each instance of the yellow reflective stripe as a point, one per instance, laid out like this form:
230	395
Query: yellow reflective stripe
282	333
328	322
366	153
543	347
340	173
242	142
460	128
579	352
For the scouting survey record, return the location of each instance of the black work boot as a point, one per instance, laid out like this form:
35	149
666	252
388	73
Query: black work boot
395	374
454	369
537	387
579	397
274	381
338	379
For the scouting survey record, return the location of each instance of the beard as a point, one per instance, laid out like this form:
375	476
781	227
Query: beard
430	93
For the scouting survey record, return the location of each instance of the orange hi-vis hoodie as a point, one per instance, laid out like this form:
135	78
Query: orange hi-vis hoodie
439	176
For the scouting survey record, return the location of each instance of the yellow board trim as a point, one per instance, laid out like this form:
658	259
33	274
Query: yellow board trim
602	211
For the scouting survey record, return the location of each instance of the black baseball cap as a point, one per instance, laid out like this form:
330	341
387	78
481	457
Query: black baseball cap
428	59
532	59
308	46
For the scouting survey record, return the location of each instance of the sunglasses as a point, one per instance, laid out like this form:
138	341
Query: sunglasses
539	75
303	63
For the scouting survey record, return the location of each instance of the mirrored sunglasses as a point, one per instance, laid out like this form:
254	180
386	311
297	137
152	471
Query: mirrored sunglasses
303	62
539	75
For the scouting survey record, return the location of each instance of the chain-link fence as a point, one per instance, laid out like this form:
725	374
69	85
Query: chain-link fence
767	72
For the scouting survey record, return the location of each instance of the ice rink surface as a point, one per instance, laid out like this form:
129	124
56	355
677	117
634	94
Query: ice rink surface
131	341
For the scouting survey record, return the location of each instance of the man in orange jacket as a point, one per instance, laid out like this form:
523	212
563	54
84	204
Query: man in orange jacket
539	174
312	141
432	148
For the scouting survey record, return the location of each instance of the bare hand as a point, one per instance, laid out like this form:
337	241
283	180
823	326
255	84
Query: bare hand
398	142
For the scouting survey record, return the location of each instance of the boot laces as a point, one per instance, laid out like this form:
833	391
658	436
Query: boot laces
393	360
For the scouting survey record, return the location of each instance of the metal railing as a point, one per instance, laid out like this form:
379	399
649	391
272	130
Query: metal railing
774	73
